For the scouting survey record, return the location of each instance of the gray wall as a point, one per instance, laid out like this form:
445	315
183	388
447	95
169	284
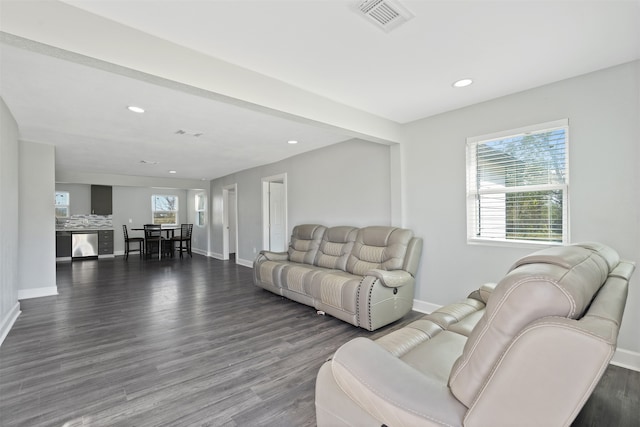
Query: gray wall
135	203
604	198
79	198
343	184
37	248
9	305
132	199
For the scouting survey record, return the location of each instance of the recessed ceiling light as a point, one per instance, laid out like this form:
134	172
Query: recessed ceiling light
292	141
462	83
135	109
172	172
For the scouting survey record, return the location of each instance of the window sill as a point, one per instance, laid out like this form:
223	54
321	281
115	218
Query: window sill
512	243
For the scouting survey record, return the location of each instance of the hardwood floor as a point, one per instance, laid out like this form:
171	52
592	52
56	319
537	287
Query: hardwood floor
189	342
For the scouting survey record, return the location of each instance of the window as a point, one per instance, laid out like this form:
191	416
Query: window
201	203
62	204
517	183
164	209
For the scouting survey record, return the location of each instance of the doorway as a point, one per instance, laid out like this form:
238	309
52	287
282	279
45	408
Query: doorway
230	222
274	213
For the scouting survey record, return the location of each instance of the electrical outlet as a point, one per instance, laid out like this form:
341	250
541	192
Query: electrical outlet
130	221
255	250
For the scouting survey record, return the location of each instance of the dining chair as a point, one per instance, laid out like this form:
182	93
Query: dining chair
153	238
127	243
184	237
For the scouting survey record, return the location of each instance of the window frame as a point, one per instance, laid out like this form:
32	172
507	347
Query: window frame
66	206
177	210
200	222
472	192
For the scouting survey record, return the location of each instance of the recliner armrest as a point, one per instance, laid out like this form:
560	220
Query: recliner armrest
275	256
391	390
391	279
483	293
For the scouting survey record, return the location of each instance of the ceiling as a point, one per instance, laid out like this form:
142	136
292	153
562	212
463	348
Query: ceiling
77	100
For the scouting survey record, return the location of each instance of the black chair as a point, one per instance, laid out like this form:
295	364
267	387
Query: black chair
184	237
153	239
127	243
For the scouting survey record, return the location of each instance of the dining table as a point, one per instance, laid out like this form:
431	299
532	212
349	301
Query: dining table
167	230
170	232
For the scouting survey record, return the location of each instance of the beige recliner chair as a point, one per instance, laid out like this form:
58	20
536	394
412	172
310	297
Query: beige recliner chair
527	353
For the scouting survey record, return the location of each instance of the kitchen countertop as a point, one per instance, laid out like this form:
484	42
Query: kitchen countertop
85	229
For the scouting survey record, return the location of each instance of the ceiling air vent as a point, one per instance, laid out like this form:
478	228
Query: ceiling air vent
386	14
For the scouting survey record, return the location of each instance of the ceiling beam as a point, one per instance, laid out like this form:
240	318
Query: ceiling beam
65	27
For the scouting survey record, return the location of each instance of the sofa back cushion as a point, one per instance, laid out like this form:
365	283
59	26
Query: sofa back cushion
335	247
558	281
305	241
378	247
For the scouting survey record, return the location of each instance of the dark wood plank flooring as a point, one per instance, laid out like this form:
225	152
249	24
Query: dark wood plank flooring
189	342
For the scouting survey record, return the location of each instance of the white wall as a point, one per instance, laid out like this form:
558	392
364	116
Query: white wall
343	184
9	270
604	188
37	248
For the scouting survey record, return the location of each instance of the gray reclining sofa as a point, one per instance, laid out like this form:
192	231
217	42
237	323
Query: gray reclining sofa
364	276
527	353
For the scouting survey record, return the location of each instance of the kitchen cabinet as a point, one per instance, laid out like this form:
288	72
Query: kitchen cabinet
63	244
105	242
101	200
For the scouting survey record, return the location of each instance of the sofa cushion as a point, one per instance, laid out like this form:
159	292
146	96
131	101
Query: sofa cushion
559	281
305	241
298	277
336	289
268	272
378	247
335	247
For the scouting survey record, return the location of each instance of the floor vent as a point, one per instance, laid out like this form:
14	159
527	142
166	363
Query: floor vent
386	14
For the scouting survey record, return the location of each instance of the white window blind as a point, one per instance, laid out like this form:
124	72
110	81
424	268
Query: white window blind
517	184
201	203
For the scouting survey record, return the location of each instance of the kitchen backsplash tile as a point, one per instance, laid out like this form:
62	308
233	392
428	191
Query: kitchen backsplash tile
84	221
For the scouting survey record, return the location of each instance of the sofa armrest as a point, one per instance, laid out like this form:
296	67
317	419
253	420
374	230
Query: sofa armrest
391	279
390	390
483	293
275	256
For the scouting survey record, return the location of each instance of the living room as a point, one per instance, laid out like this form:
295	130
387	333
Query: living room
416	180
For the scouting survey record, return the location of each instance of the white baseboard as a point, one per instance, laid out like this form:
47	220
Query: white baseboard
424	307
199	251
37	292
9	320
624	358
215	255
244	262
